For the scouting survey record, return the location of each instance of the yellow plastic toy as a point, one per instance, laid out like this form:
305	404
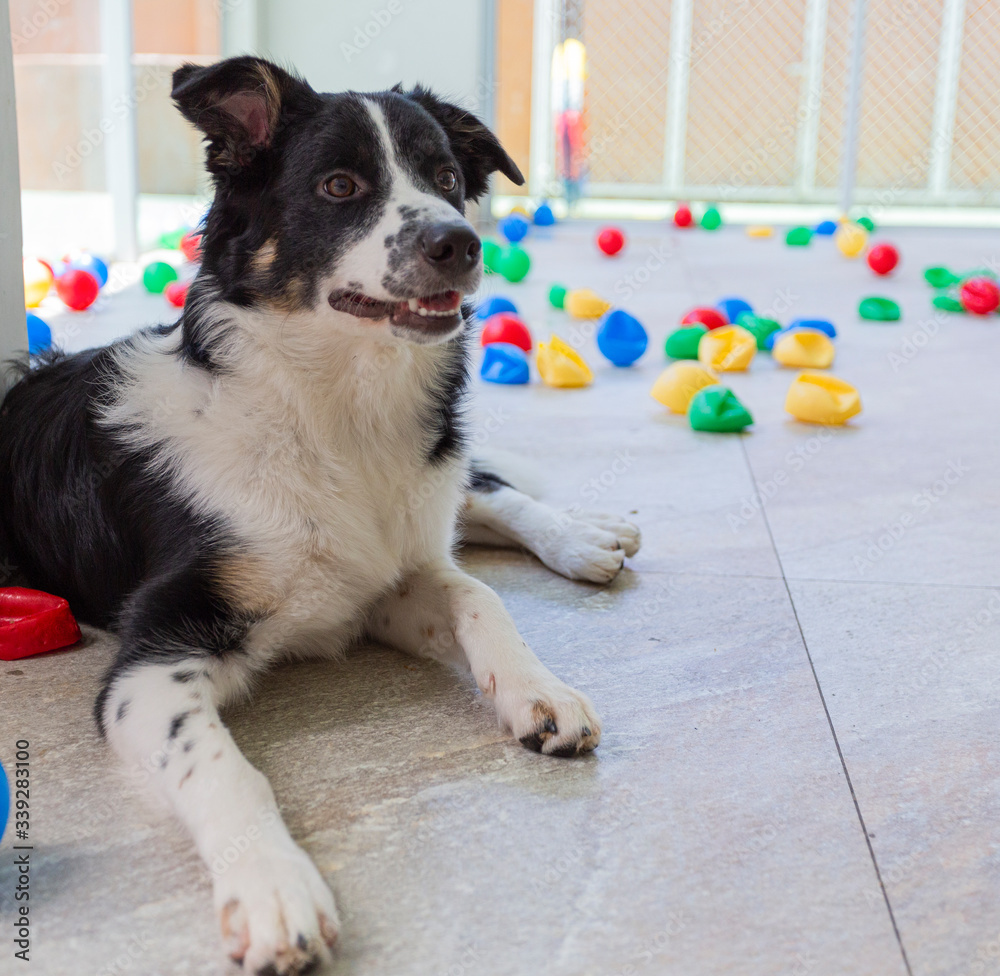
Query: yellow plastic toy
759	230
677	384
523	211
727	349
819	398
808	349
585	304
850	239
561	365
37	281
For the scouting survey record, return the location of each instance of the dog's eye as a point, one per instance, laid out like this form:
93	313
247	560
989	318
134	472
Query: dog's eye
447	180
340	186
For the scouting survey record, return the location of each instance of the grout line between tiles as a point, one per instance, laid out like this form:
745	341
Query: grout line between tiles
829	719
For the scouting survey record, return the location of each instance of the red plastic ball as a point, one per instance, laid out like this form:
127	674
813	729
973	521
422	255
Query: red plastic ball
78	289
176	293
506	327
979	295
711	318
882	258
682	216
611	240
191	245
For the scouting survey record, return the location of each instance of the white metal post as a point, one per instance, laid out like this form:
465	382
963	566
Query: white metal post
240	27
811	97
946	95
121	160
540	164
852	115
13	331
678	75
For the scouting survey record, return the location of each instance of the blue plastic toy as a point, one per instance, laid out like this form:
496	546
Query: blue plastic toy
544	217
39	335
800	325
4	801
513	227
503	362
91	263
733	307
621	338
494	305
821	325
826	228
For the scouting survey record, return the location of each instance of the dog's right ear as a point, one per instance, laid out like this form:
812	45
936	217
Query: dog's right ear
239	104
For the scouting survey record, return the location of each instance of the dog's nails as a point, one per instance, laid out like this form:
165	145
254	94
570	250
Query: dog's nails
550	726
586	731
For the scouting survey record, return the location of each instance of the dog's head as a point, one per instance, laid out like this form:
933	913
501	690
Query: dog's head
347	205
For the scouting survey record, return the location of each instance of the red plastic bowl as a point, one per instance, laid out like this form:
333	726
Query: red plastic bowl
32	622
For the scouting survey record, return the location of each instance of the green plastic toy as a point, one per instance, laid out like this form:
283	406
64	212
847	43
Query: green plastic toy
683	344
878	309
157	275
711	219
939	277
798	236
867	223
759	328
947	304
171	241
557	296
491	255
716	408
513	263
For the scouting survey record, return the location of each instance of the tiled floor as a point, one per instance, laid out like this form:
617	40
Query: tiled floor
798	676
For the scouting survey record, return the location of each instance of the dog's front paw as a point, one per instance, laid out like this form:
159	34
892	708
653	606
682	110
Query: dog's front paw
276	913
590	546
549	717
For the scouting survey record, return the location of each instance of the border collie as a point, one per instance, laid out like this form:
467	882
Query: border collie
283	471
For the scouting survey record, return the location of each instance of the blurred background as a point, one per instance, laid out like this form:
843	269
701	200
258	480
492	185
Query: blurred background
610	107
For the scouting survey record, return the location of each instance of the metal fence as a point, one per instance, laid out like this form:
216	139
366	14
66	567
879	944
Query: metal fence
751	100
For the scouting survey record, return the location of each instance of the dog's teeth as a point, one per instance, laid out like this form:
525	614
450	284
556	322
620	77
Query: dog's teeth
414	305
424	312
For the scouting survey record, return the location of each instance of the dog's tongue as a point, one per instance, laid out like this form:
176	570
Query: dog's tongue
447	301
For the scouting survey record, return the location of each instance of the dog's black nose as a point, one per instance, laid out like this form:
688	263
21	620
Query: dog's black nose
450	247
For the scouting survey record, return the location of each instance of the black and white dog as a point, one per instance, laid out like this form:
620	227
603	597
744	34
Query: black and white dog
284	471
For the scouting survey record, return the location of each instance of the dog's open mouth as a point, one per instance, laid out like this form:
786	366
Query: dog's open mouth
429	313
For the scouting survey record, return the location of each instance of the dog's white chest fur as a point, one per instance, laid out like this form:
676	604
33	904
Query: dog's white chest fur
323	481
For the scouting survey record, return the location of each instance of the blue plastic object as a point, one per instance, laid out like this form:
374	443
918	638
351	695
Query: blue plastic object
821	325
733	307
503	362
826	228
544	217
775	336
493	305
39	334
4	801
513	227
621	338
91	263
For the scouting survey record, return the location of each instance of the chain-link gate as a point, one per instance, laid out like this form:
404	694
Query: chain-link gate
749	100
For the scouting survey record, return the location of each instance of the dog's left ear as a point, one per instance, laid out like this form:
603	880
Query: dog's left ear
477	150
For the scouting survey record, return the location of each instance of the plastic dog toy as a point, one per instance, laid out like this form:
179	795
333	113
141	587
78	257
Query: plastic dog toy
711	219
826	228
504	363
557	296
544	217
78	289
39	335
491	256
585	304
682	216
621	338
717	409
759	231
37	281
876	309
514	227
561	365
678	383
883	258
494	306
732	308
820	325
709	317
505	327
91	263
979	295
804	348
611	240
850	239
728	349
760	328
157	275
799	237
683	343
32	622
818	398
513	263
